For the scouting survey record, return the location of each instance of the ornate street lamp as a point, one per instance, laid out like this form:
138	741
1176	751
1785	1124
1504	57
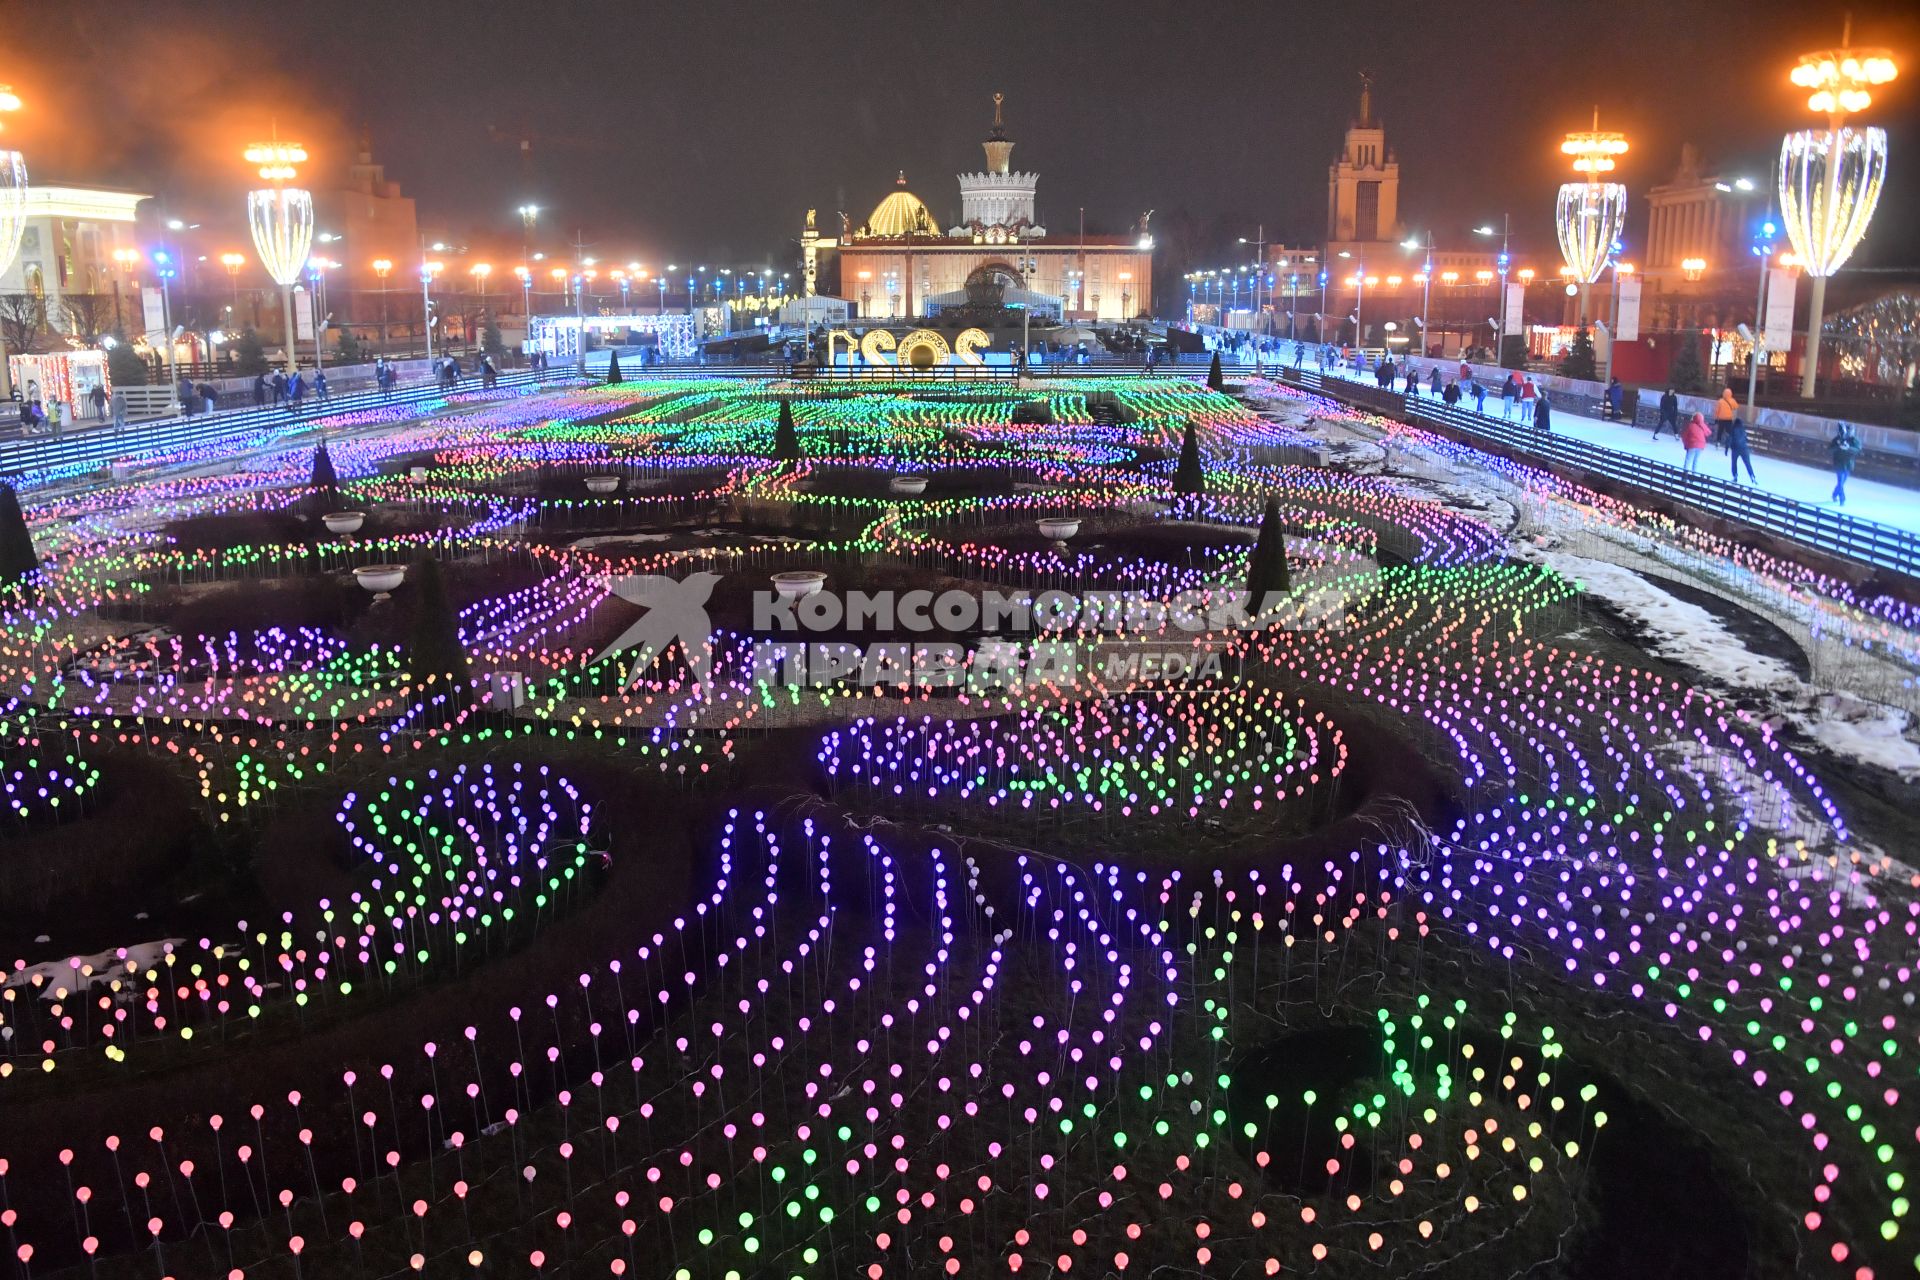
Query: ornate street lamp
1591	214
13	214
1830	178
281	219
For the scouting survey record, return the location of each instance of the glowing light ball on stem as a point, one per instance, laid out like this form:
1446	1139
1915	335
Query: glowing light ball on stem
1830	178
1590	213
281	219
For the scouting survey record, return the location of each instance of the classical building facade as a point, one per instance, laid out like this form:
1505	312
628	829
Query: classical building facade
67	252
1372	274
370	220
1697	267
898	264
1363	186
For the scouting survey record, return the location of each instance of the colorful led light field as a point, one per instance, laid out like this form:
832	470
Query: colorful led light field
1385	945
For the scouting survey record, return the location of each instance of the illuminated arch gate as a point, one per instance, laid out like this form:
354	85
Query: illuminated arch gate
559	336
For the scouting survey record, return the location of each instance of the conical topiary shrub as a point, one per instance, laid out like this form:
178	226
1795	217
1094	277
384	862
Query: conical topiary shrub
1188	478
433	647
1267	572
786	440
326	482
1216	381
613	368
18	559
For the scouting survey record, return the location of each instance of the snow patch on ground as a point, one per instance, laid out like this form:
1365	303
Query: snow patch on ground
1850	727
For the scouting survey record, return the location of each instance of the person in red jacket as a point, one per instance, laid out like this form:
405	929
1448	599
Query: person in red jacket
1693	438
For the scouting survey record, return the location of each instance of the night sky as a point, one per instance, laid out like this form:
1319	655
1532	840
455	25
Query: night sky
703	132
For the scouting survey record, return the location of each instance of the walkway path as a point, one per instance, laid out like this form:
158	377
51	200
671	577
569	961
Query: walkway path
1874	500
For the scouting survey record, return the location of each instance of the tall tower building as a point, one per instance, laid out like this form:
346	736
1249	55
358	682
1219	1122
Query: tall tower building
997	205
1363	185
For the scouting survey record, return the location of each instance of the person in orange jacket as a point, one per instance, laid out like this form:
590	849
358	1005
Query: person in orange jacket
1725	410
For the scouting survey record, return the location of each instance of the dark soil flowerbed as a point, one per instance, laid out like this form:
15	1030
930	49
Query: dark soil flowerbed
293	526
326	601
985	481
81	882
1122	536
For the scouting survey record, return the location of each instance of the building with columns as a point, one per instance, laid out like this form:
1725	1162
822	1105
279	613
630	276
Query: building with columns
899	264
67	252
1698	267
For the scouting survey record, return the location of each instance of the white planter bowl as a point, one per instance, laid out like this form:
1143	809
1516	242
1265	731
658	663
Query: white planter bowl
797	584
380	578
344	521
908	484
1059	528
602	484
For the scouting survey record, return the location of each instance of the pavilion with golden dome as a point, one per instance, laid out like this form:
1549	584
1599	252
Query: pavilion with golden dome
899	264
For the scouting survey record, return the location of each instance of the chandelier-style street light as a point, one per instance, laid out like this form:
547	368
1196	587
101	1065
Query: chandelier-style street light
13	214
281	219
1591	214
1830	178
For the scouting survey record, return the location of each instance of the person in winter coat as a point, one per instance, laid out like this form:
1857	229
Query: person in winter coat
1693	438
320	390
1479	396
1433	383
1542	411
1844	448
1451	395
1529	396
1509	395
259	390
98	399
296	387
1725	410
1669	413
1616	398
1737	449
184	393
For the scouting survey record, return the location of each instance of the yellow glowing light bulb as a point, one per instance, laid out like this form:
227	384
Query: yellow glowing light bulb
276	159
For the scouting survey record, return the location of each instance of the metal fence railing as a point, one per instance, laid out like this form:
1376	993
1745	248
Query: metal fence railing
1820	528
101	445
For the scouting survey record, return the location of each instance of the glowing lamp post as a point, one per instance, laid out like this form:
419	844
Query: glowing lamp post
480	271
428	270
381	268
233	262
1830	178
317	269
13	214
125	259
1590	214
281	219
